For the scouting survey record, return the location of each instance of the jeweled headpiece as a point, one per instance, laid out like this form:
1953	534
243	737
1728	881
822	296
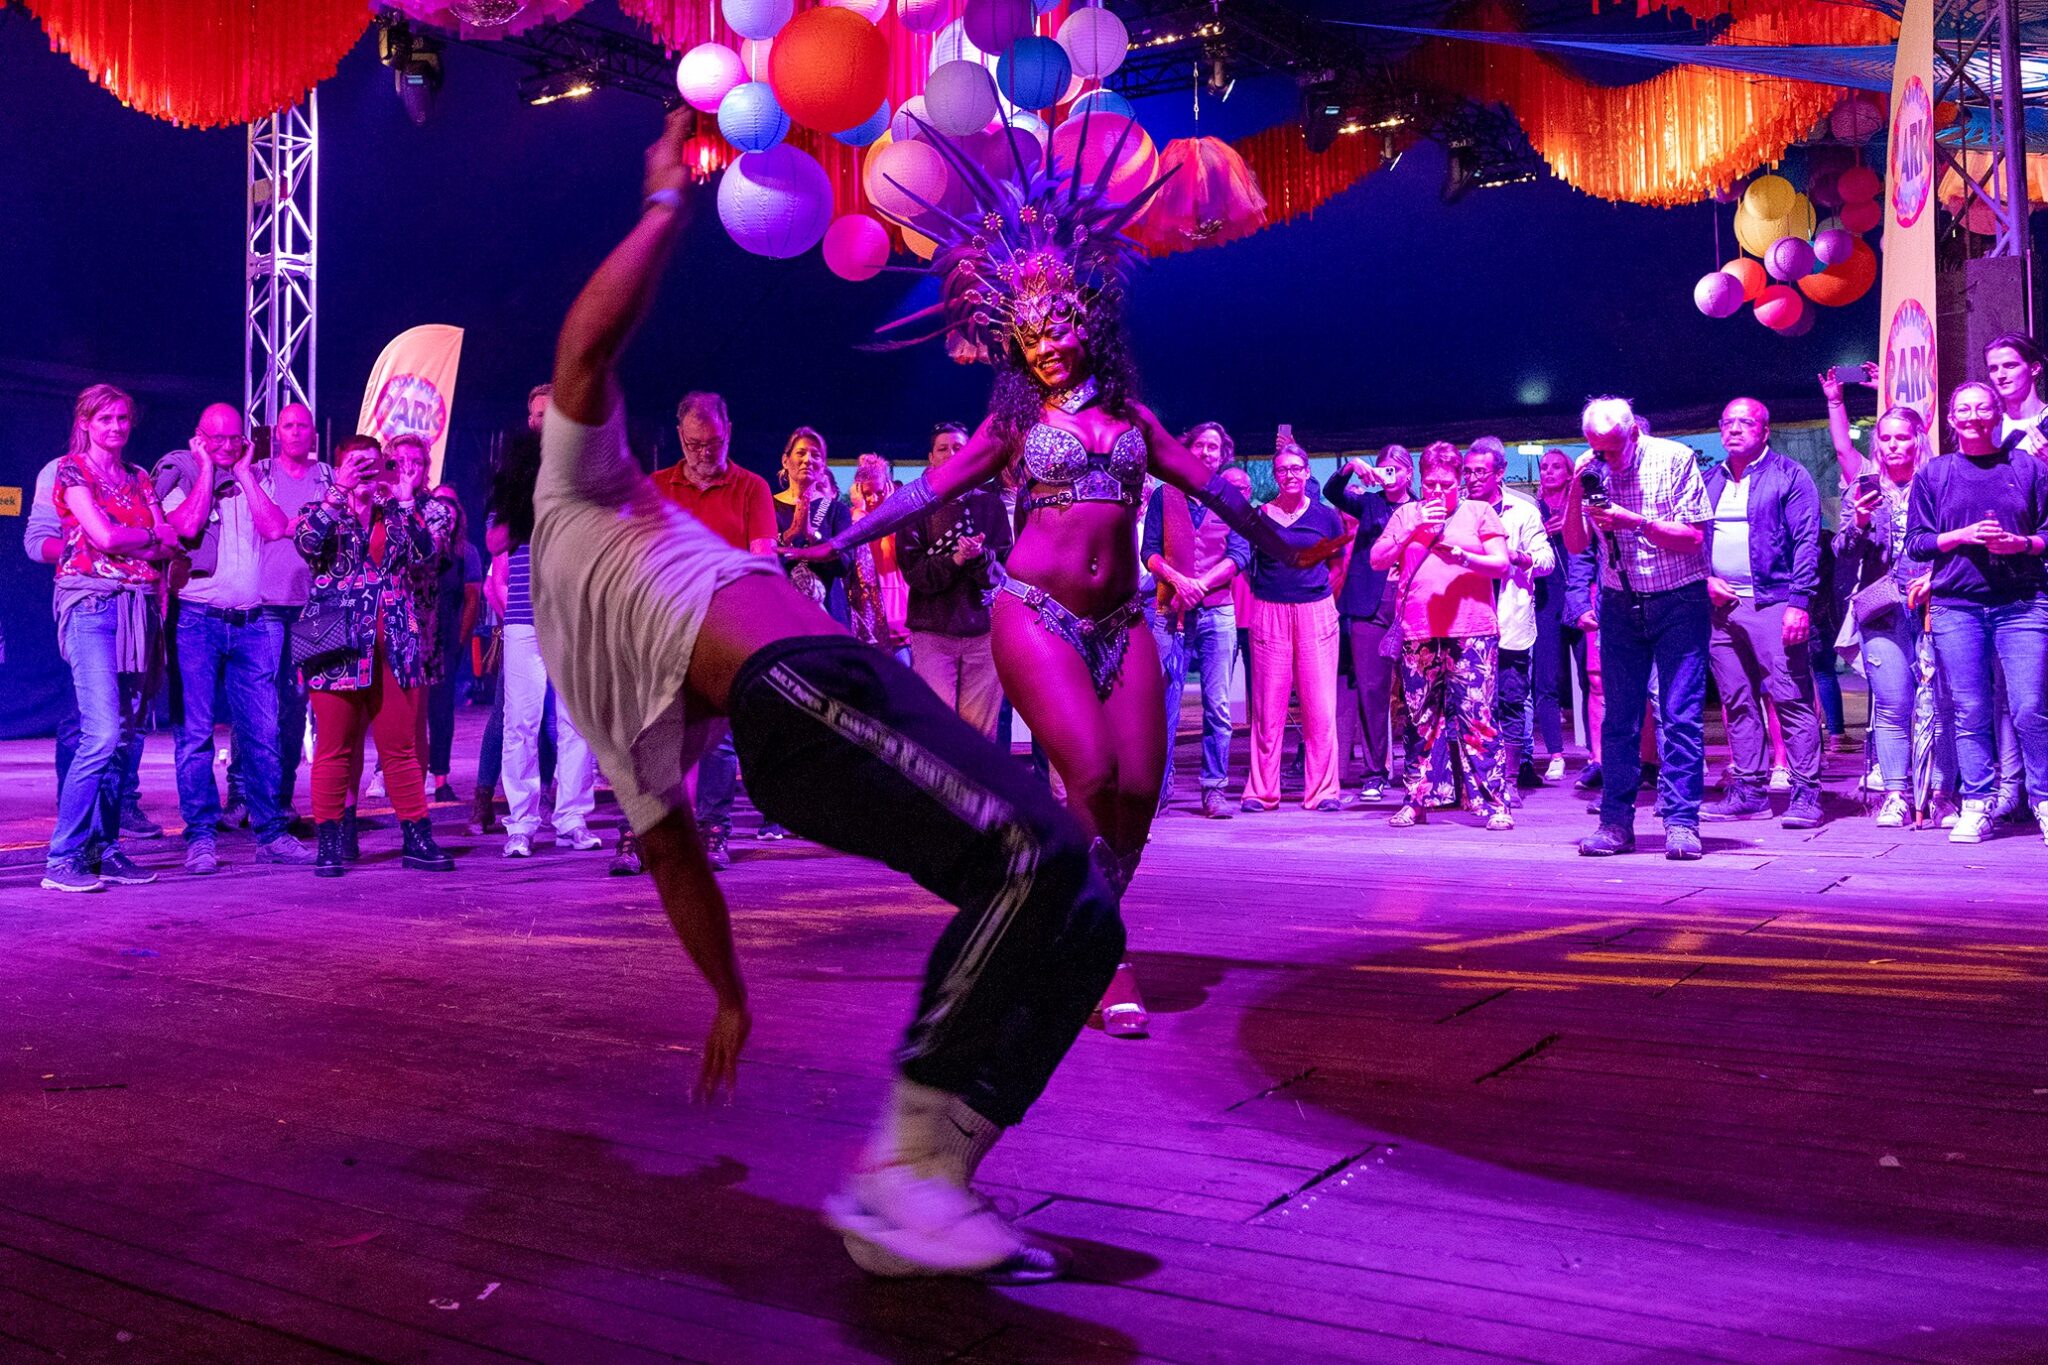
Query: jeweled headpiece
1038	248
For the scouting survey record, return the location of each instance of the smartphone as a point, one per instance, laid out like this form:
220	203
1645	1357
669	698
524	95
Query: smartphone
1866	484
1849	374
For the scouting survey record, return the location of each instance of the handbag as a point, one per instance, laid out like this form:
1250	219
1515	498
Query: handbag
1874	601
321	635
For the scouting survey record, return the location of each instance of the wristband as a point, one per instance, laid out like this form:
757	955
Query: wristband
670	199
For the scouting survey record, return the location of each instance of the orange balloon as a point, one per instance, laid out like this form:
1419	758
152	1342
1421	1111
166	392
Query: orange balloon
1751	273
1845	283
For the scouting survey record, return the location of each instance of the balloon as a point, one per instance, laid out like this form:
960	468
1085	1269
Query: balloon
856	247
1834	245
1862	216
707	73
1859	184
870	10
1790	258
830	68
1747	273
750	119
1718	294
1778	307
1102	102
1769	197
1856	119
1097	41
754	56
993	25
960	98
904	126
1034	73
921	16
757	18
1088	144
896	171
1843	284
775	203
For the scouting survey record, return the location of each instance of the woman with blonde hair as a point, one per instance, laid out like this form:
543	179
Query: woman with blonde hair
808	512
877	596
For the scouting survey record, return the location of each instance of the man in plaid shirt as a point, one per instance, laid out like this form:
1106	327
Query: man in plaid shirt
1654	614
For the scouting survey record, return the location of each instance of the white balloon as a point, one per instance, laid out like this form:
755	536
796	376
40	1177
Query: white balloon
1097	41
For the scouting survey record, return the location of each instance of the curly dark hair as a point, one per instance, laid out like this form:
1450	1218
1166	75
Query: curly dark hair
1018	400
510	503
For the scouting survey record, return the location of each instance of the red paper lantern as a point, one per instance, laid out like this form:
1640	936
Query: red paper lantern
1843	284
1751	272
1862	216
1859	183
830	69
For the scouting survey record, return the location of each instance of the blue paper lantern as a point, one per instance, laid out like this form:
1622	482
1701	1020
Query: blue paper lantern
757	18
1034	73
750	119
867	132
1100	102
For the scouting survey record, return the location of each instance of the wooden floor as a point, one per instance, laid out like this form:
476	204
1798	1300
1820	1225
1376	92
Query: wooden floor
1435	1096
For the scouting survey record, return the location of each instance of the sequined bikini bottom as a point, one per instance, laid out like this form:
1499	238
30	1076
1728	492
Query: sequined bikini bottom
1099	640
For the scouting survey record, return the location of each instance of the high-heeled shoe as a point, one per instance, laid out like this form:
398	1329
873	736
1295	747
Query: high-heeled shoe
1123	1009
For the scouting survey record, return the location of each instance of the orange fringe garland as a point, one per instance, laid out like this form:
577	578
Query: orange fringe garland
1297	181
204	63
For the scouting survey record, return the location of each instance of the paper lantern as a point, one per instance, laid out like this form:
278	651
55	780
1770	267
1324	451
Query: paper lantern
757	18
1856	119
1044	6
960	97
1769	197
1756	234
1034	73
992	149
953	45
992	25
904	126
830	68
1843	284
1032	126
707	73
867	132
870	10
1747	273
856	247
1790	258
1859	184
921	16
921	246
1776	308
775	203
1800	325
1210	197
750	119
1097	41
1824	188
1832	246
1718	294
1728	194
1102	102
1862	216
896	171
1086	145
754	53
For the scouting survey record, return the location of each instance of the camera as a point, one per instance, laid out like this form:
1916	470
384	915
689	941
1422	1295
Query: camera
1593	485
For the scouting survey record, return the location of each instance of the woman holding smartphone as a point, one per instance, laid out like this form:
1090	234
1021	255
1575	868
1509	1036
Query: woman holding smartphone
1371	493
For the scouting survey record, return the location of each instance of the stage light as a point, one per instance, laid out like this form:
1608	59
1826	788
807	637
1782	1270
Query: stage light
547	87
1533	392
415	64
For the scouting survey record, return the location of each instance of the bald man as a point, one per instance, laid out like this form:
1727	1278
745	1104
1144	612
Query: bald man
227	641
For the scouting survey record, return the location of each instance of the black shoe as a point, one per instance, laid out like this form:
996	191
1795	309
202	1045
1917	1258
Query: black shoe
118	869
1804	810
444	792
235	815
1607	841
351	849
1740	802
329	858
626	861
135	823
715	851
1527	778
1589	779
420	849
1682	843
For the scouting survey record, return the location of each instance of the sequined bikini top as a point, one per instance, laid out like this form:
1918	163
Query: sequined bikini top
1055	456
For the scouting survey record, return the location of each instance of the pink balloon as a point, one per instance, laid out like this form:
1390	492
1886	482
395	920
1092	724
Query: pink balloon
856	247
1718	294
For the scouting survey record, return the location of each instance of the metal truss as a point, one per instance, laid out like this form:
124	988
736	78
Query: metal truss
1978	66
280	309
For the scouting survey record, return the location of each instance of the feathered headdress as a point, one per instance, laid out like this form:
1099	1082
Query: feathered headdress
1037	248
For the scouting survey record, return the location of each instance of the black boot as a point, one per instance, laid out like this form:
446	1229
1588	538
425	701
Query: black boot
351	850
420	849
329	861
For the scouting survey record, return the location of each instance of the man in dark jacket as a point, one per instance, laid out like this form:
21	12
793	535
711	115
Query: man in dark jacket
945	557
1763	549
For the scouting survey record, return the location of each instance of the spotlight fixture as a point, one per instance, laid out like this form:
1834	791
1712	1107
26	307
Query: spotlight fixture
415	63
1461	170
573	83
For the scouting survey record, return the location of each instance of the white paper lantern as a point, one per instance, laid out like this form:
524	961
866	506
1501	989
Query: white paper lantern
707	73
775	203
953	45
1097	41
757	18
920	16
961	98
904	127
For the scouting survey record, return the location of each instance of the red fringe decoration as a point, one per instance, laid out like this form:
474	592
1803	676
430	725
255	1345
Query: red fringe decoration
1297	181
204	63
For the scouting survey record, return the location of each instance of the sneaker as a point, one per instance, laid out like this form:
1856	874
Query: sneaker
235	815
626	861
1741	801
1251	806
1215	805
443	792
118	869
202	858
1526	777
1555	772
1607	841
715	851
2041	818
1781	779
1500	820
136	823
579	838
1873	781
1408	817
1803	811
69	874
770	830
1682	843
923	1224
518	846
1589	778
284	849
1973	824
2007	802
1892	814
376	792
1374	789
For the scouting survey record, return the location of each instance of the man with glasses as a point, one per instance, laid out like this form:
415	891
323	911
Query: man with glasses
227	640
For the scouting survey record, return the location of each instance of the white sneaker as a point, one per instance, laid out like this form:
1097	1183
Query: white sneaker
579	838
1781	779
1873	781
2041	818
1892	814
376	791
1973	826
518	846
1555	772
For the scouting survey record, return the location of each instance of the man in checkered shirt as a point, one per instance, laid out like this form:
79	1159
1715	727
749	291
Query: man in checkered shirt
1654	614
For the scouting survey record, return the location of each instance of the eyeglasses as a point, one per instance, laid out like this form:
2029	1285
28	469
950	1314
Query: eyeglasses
703	447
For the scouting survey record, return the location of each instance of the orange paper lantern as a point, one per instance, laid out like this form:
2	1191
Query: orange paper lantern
830	69
1843	284
1751	273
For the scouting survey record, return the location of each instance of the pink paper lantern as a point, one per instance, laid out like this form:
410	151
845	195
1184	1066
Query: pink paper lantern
896	171
707	73
1089	143
921	16
1718	294
1862	216
856	247
1779	306
1859	184
1856	119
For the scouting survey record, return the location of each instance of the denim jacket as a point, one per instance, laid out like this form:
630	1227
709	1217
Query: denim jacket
1784	529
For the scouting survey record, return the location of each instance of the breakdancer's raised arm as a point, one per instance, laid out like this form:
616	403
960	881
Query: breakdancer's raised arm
656	631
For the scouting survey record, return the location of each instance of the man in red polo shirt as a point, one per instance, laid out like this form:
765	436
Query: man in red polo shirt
733	503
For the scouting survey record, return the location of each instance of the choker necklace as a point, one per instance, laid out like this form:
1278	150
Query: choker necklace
1076	398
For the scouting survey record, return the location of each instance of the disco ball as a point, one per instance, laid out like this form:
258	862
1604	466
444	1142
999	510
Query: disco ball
486	13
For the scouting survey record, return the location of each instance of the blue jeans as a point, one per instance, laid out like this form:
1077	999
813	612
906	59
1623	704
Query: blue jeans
1967	636
241	658
1665	633
718	783
1891	663
1208	635
109	737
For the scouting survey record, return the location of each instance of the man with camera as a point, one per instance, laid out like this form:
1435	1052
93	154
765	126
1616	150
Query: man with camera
227	639
1642	498
1763	554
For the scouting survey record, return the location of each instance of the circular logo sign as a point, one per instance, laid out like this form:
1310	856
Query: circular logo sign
408	405
1909	361
1912	154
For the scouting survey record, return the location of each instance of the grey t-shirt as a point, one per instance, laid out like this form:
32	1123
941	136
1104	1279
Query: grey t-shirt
286	579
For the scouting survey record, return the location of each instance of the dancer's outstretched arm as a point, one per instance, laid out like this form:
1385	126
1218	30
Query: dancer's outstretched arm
980	460
1178	465
611	306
